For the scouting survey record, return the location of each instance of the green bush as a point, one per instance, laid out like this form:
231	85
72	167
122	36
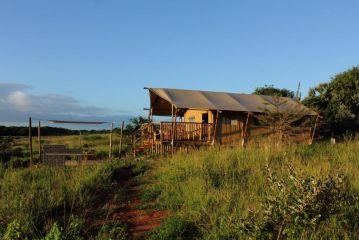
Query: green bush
13	231
297	205
55	233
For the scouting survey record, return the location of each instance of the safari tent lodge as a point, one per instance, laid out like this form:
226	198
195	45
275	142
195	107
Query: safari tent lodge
198	118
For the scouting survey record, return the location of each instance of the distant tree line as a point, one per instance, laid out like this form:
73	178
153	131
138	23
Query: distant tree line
24	131
134	124
45	131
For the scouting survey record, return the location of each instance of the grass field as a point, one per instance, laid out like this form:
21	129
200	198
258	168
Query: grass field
267	192
98	144
297	192
40	201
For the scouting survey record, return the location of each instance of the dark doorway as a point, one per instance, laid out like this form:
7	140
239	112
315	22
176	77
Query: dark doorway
204	117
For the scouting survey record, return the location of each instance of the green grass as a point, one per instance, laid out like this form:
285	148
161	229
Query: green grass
98	144
216	191
210	194
37	198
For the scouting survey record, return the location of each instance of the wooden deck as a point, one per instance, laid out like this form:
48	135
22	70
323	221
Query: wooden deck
164	136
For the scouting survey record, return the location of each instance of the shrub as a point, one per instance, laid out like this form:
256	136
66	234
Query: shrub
55	233
296	205
13	231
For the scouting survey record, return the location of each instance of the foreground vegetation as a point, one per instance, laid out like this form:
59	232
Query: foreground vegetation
58	203
267	192
295	192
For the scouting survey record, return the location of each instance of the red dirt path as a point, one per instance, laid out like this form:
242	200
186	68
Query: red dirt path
138	221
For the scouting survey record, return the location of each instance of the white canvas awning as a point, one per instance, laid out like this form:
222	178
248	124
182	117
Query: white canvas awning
162	100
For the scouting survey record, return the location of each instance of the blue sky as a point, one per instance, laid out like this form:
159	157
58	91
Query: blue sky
96	56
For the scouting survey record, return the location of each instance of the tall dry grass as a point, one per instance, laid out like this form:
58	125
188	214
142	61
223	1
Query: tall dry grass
211	192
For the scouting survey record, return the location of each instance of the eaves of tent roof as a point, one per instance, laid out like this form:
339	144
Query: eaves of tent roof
162	100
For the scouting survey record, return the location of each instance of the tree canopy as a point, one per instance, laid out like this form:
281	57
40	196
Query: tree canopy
270	90
337	101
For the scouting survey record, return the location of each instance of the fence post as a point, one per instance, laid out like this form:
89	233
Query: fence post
121	138
30	141
110	151
39	140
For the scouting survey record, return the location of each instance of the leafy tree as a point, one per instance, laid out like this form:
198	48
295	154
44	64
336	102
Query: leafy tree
283	121
337	101
270	90
135	124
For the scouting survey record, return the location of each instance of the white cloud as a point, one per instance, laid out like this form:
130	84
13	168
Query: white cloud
17	104
19	100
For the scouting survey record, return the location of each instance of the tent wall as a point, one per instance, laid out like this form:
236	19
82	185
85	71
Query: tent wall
193	115
231	128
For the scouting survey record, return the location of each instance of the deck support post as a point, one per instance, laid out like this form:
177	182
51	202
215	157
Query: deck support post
161	139
174	116
30	141
314	128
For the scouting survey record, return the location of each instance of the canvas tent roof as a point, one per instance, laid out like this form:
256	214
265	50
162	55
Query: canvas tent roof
163	98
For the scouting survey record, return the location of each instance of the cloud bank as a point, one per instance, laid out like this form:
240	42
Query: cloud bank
17	105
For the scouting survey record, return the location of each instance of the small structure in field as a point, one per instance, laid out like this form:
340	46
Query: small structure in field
209	118
56	154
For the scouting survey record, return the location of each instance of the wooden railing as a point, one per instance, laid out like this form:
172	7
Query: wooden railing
181	131
150	135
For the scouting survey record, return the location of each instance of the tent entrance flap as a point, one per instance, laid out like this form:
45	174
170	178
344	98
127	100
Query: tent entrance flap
160	106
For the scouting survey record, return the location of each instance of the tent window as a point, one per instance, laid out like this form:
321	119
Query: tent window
230	121
234	122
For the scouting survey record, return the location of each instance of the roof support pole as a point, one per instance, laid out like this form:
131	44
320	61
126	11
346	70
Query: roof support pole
174	116
150	115
245	130
215	129
314	128
161	139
